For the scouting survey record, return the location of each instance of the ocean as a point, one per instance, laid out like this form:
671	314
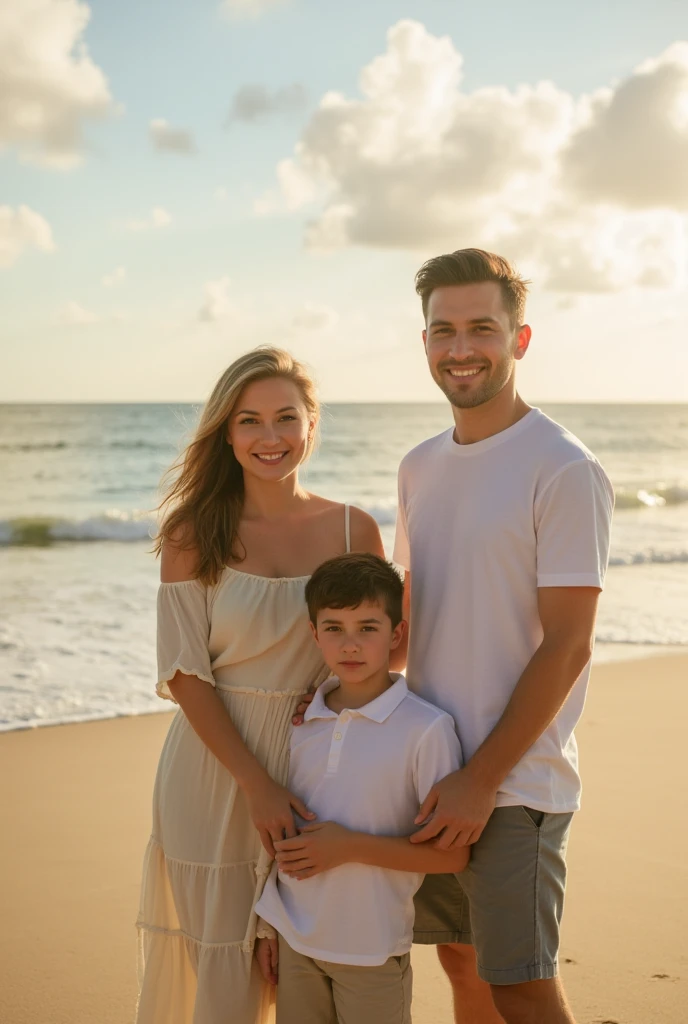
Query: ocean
78	582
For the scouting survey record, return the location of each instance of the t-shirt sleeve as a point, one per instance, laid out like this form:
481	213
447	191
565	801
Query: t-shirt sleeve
402	548
183	633
438	755
573	523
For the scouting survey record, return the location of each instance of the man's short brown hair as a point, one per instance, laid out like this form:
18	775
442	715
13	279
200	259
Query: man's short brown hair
473	266
348	580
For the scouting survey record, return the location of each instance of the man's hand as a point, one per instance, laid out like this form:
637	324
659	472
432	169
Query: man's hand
458	807
267	955
318	847
301	709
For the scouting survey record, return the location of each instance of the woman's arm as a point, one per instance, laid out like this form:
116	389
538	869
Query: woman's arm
399	656
365	536
365	533
320	847
270	804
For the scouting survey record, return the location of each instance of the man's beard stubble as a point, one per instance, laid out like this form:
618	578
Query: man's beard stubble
493	384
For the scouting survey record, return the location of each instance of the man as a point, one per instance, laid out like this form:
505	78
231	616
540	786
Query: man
503	529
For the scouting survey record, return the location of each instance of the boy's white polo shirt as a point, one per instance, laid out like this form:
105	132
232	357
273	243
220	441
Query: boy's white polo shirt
368	769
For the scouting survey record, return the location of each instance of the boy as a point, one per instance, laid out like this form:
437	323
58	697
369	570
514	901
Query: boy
341	894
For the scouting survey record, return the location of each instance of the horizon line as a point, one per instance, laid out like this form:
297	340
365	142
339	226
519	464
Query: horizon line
390	402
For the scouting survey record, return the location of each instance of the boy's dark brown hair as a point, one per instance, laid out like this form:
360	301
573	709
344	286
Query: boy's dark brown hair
473	266
348	580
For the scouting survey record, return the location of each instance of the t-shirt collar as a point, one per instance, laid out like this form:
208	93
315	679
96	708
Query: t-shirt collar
377	710
465	451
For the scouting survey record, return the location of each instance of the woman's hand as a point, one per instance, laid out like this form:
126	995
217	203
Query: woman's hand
267	955
317	848
301	709
271	808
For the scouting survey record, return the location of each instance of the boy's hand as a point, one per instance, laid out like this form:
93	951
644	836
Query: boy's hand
318	847
301	709
267	955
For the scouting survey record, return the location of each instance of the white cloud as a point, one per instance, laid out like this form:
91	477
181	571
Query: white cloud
247	8
601	248
74	315
221	194
256	103
216	304
167	139
158	218
296	189
312	317
633	146
48	82
116	277
21	229
554	181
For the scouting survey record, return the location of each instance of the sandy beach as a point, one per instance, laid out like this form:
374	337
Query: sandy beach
75	814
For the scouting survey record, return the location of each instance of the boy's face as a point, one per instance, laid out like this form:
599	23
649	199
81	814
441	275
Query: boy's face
356	642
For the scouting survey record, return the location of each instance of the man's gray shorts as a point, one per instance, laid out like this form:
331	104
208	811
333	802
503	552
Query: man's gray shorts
508	902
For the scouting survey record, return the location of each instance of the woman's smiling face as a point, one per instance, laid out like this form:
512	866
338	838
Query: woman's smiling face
269	429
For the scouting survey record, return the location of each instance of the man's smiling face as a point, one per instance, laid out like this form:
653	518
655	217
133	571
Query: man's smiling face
471	342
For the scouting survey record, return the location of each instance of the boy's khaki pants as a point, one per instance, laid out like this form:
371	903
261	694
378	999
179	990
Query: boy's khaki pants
318	992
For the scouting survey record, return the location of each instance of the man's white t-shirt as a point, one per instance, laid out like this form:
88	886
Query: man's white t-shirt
368	769
481	527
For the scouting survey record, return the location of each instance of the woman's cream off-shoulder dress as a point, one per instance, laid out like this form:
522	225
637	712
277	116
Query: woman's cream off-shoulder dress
248	636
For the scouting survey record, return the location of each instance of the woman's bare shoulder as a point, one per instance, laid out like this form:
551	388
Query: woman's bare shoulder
316	504
365	532
178	557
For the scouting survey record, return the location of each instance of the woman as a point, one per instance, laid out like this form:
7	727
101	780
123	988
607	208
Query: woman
239	540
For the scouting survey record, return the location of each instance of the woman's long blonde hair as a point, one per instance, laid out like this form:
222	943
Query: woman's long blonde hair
205	497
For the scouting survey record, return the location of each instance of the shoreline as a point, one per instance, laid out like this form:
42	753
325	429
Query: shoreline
605	653
75	803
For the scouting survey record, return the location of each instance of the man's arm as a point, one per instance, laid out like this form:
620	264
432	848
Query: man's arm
320	847
461	804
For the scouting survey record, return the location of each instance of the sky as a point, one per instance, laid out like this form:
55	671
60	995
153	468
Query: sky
181	181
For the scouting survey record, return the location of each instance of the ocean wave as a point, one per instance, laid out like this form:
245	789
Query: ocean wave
41	531
384	515
38	446
650	557
651	496
50	446
610	637
130	527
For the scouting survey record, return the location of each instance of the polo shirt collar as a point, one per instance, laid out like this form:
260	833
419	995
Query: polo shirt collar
377	710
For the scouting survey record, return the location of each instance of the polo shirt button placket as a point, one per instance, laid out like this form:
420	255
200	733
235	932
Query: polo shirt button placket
336	745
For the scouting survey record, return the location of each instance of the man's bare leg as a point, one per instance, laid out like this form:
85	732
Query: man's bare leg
533	1002
473	1002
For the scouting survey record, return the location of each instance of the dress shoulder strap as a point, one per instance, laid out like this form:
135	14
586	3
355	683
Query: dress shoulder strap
347	526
